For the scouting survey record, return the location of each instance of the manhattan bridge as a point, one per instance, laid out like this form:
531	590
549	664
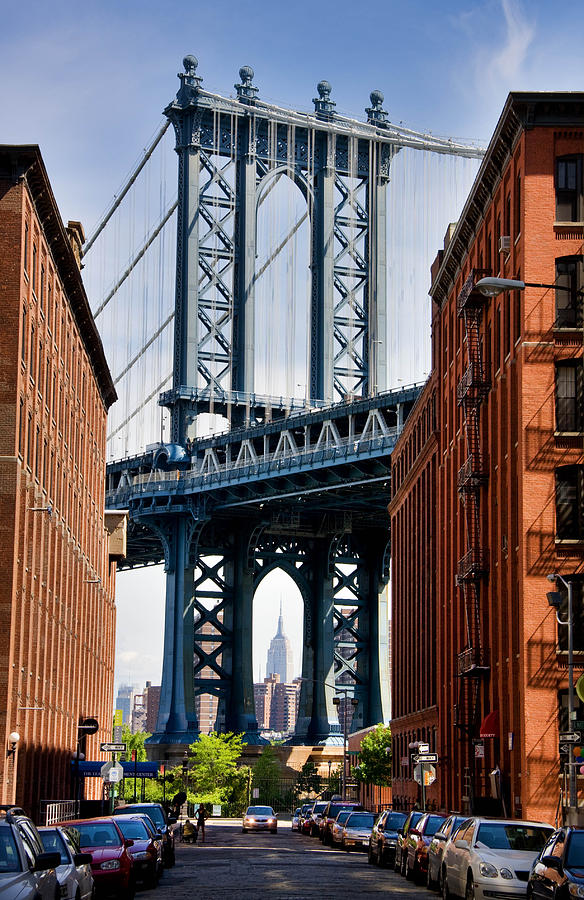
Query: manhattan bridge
247	318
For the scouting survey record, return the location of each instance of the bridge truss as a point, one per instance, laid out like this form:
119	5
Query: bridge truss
296	484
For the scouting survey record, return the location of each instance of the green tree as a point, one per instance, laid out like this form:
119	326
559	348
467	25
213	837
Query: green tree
213	767
266	777
309	781
375	757
134	742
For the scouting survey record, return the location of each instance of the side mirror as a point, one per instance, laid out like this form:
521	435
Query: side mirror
82	859
552	862
461	845
128	842
47	861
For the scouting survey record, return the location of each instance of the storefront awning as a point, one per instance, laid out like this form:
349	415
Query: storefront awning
490	725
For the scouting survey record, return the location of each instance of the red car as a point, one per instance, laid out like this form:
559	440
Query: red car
418	843
146	852
112	866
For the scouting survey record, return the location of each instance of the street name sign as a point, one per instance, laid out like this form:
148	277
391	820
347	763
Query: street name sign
114	747
573	737
423	748
425	758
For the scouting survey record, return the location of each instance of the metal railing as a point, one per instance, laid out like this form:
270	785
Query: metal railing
472	565
58	811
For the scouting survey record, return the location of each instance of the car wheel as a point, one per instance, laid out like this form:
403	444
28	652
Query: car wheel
370	857
469	894
396	865
445	892
403	865
409	873
430	883
381	861
130	891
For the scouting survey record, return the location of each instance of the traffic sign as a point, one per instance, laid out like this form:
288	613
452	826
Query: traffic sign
115	774
573	737
429	775
423	748
426	758
566	748
114	748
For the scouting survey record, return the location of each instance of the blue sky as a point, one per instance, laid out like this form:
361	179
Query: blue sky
88	82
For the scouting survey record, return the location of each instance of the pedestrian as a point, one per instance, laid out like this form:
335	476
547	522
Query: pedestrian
189	833
201	816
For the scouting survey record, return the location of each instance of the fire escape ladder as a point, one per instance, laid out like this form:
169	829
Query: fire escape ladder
473	567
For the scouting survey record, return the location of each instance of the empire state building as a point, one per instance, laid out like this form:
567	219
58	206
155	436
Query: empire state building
280	654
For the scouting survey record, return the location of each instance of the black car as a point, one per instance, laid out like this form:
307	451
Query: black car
384	836
329	815
402	837
162	823
558	871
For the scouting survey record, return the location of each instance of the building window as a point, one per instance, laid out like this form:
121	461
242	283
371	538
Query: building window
569	395
49	302
518	205
34	267
569	189
31	370
516	316
23	345
20	428
569	292
29	440
42	287
26	247
570	503
564	723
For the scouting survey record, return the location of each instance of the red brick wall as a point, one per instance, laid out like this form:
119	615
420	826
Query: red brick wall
516	506
57	586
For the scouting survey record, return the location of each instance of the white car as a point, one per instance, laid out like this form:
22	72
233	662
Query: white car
74	872
260	818
357	830
488	858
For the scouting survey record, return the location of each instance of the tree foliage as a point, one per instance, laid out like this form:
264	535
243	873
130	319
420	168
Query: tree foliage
309	781
134	742
375	757
266	775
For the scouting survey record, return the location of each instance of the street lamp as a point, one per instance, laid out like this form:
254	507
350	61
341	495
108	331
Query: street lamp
492	287
345	691
554	599
185	772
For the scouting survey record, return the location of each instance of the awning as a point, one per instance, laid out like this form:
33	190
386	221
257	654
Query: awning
490	725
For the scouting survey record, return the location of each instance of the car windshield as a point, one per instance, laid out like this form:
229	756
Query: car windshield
318	807
575	857
433	825
297	812
260	811
98	834
395	821
306	808
9	859
343	816
415	817
154	812
54	843
133	829
335	809
512	837
360	820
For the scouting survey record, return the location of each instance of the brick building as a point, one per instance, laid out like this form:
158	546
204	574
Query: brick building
276	704
56	573
490	497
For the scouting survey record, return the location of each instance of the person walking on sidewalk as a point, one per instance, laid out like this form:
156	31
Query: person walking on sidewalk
201	816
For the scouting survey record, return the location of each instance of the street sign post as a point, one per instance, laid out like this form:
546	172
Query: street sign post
425	758
114	747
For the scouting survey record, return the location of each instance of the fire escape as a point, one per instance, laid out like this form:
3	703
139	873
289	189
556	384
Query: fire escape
473	566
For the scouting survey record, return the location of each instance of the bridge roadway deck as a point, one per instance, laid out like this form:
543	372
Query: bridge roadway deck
328	462
285	865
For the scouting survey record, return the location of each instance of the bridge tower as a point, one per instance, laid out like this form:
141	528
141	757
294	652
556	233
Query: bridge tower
299	485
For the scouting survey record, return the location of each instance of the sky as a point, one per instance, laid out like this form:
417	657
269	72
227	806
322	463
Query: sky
88	83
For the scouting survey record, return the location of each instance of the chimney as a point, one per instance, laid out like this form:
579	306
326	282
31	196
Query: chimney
76	236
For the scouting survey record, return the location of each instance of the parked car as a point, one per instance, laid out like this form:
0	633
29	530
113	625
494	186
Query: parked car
418	843
400	857
304	813
312	821
491	857
383	840
330	813
357	830
27	871
163	823
558	871
436	850
296	820
111	863
260	818
338	825
146	852
74	871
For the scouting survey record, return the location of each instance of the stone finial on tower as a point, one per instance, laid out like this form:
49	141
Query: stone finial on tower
190	82
323	105
246	91
376	115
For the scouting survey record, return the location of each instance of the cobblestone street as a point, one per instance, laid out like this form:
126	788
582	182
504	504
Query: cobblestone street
284	865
